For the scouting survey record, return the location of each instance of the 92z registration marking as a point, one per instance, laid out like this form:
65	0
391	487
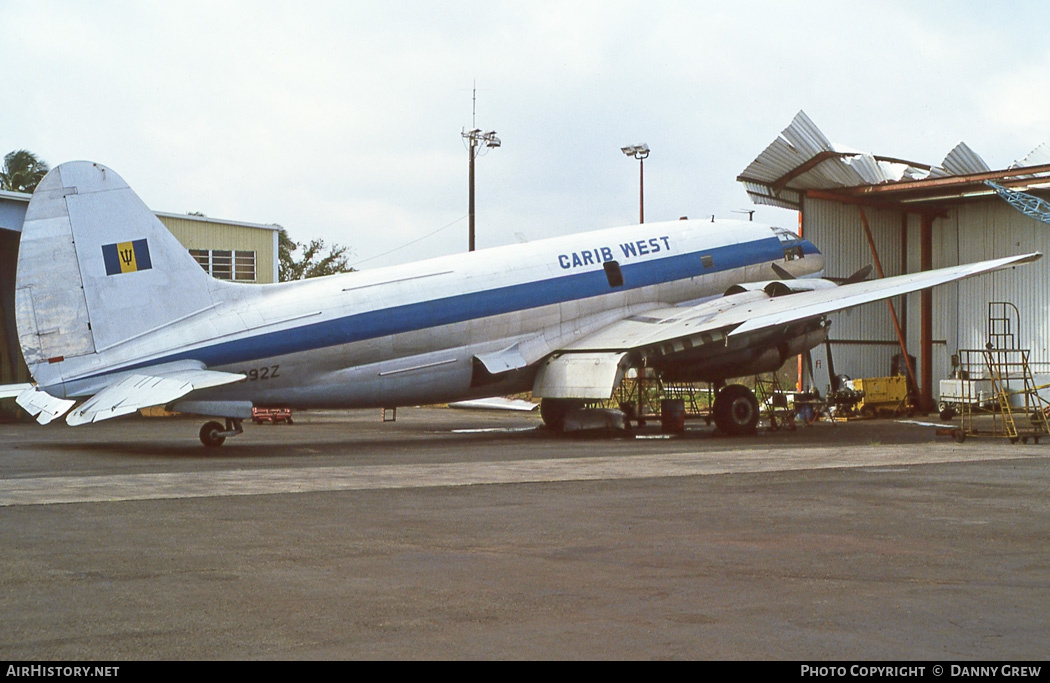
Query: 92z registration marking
257	374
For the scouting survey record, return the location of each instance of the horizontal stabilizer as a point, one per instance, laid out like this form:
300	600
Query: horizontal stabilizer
143	391
12	390
42	405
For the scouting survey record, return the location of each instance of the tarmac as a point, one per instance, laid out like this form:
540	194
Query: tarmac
455	534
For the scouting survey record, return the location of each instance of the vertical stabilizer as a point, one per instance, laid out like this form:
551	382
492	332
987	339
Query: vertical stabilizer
96	268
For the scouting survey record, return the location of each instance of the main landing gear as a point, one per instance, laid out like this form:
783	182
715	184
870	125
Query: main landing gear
213	434
554	410
736	410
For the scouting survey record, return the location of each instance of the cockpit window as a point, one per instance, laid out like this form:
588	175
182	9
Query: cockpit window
785	236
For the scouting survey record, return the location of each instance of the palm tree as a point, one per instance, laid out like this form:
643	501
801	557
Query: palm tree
22	171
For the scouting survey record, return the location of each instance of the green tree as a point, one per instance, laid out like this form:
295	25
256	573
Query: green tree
312	259
22	171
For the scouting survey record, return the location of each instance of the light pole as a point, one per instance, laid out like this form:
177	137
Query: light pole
639	152
475	141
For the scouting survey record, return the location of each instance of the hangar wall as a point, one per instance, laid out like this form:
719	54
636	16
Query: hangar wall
864	340
991	229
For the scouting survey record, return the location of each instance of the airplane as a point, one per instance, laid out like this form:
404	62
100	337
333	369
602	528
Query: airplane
111	309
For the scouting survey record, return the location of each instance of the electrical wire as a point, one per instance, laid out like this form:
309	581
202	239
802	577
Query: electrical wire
408	244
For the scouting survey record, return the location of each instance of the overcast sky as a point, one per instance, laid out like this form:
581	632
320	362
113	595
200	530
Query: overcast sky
342	120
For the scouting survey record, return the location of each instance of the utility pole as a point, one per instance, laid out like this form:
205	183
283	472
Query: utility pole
476	141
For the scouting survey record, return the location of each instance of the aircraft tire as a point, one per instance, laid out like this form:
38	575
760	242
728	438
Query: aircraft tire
554	410
736	410
210	435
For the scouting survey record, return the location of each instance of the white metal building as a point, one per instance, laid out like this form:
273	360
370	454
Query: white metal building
919	217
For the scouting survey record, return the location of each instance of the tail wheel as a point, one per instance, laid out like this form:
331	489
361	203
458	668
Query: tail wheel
210	434
554	410
736	410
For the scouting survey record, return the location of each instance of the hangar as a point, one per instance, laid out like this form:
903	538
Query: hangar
230	250
867	209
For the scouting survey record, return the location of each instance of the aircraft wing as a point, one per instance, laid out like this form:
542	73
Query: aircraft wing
830	300
676	329
145	389
729	317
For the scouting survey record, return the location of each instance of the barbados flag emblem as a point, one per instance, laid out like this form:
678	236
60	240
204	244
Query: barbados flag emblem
126	257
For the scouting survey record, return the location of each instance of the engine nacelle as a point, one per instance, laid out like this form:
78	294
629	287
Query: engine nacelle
782	287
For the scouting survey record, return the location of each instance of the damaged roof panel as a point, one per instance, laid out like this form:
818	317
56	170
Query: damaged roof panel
960	161
801	158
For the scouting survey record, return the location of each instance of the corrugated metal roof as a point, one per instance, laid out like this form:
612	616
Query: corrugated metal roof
802	158
1037	157
960	161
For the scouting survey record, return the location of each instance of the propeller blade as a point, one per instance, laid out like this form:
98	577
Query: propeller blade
781	272
860	276
831	368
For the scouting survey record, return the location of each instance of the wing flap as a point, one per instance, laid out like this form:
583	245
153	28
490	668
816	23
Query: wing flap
580	375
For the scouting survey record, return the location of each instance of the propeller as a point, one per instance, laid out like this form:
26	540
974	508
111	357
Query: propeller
859	276
831	368
807	366
781	272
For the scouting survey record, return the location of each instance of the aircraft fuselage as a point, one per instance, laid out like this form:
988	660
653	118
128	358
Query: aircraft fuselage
410	334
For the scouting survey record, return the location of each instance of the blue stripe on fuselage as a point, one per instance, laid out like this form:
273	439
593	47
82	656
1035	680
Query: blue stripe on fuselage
459	308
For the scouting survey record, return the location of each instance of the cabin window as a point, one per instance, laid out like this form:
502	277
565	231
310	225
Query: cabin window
613	273
792	253
707	261
225	264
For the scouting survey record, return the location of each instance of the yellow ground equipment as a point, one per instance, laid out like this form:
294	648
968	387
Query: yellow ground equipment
882	395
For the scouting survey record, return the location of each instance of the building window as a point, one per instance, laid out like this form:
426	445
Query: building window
225	264
203	258
222	264
244	266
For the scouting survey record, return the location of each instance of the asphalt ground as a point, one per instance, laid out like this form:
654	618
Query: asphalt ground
454	534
